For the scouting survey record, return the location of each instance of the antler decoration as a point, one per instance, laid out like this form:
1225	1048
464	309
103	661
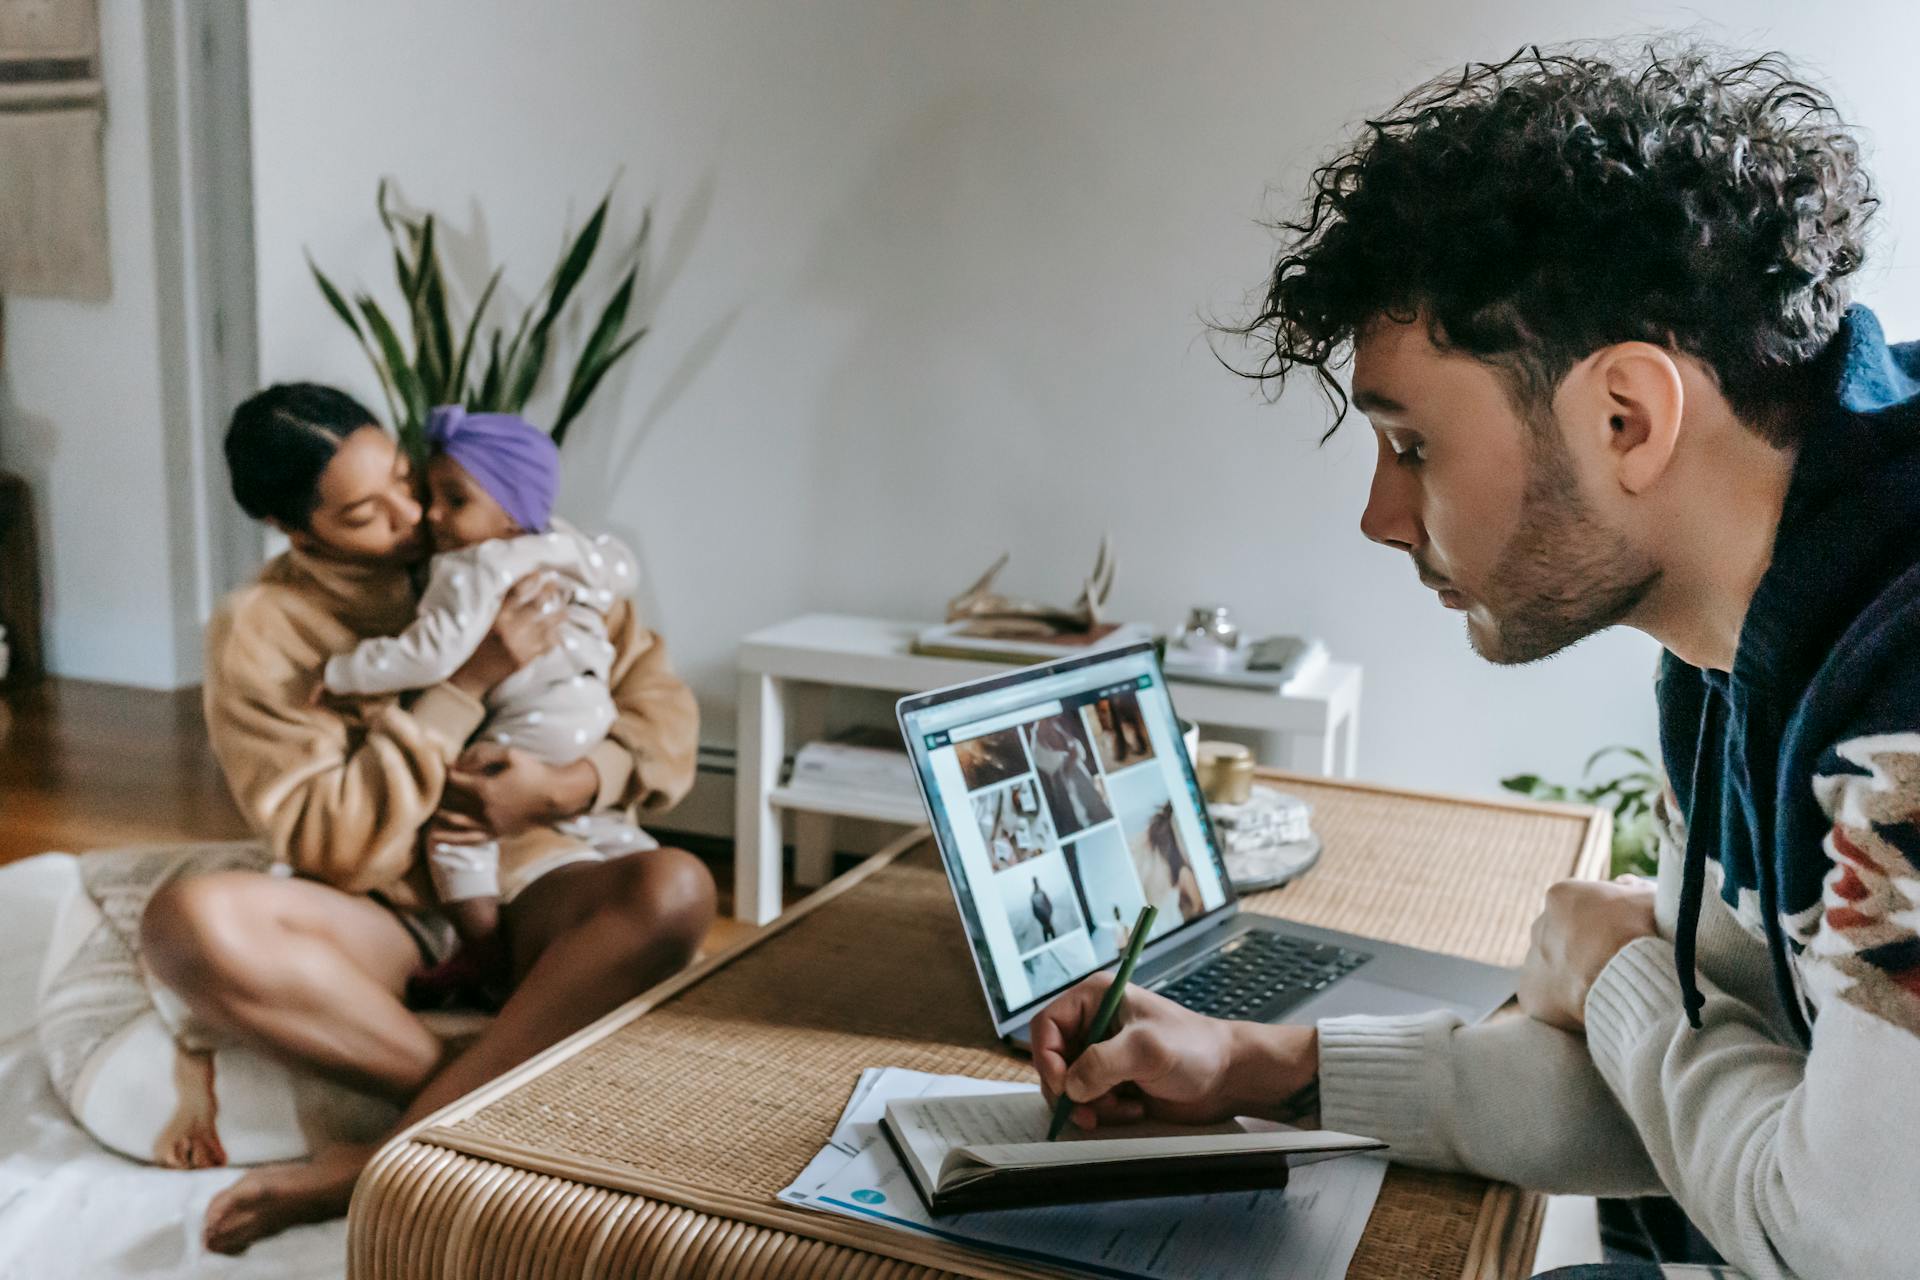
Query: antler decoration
1010	618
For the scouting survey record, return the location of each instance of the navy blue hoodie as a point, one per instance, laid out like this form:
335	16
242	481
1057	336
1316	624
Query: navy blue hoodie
1827	653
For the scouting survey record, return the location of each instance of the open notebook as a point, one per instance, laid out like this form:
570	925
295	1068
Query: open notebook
989	1151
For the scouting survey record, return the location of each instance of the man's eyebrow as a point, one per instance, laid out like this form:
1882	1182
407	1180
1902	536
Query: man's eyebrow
1374	402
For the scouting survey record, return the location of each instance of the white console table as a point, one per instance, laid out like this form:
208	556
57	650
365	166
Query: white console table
786	672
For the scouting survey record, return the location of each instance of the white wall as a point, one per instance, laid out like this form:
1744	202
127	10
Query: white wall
930	279
81	417
111	410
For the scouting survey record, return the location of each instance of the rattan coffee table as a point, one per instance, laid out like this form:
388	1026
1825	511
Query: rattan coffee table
652	1143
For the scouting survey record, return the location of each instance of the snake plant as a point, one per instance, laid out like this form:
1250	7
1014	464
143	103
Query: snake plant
480	363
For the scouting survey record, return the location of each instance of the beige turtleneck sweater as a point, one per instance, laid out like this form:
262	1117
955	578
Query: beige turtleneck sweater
340	790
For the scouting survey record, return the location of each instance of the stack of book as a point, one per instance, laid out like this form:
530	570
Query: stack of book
849	777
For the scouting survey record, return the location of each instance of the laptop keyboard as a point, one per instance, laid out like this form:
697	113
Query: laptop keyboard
1260	975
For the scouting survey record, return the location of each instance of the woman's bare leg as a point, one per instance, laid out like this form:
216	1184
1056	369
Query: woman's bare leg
191	1139
301	970
313	975
584	939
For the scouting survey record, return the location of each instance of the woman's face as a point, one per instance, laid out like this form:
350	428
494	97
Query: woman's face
369	505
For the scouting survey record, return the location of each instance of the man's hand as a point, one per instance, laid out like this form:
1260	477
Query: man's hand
1166	1062
494	791
1584	926
527	625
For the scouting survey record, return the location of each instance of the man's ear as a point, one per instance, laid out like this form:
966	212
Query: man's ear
1644	399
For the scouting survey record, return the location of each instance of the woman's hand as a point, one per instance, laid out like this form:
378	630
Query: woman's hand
494	791
1166	1062
527	625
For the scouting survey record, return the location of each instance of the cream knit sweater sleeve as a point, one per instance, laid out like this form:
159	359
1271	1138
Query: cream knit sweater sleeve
1510	1098
1795	1163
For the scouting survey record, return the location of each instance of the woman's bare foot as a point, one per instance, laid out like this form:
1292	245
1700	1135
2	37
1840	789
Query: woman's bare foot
191	1139
273	1197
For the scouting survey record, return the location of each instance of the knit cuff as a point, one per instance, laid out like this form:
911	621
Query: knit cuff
449	718
1388	1078
613	766
1635	996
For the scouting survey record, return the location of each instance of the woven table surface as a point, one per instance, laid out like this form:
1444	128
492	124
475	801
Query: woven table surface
653	1143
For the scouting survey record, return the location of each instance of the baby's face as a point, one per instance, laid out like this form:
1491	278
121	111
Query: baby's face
460	512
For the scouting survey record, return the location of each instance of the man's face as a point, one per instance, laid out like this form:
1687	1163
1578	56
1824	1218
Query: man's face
1490	505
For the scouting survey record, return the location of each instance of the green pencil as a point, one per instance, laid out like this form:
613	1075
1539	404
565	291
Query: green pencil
1103	1018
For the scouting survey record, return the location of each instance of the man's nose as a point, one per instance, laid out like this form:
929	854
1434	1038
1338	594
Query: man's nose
1391	517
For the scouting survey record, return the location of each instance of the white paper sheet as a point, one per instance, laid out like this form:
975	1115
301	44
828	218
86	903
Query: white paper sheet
1308	1231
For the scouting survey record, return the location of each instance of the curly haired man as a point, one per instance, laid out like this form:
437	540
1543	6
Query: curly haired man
1597	314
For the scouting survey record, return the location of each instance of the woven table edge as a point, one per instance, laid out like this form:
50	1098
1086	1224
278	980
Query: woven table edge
397	1169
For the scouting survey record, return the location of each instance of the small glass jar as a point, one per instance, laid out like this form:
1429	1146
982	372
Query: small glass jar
1211	633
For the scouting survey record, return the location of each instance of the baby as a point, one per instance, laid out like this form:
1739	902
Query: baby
491	479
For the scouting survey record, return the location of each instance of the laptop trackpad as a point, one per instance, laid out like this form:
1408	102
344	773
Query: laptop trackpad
1356	994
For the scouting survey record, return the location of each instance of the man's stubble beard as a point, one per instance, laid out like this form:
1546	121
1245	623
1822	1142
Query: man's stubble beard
1563	575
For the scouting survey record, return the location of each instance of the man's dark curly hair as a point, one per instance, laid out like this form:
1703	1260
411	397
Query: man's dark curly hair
1538	209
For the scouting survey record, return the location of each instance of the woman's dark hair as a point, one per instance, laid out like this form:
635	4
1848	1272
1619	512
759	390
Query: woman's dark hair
280	441
1538	209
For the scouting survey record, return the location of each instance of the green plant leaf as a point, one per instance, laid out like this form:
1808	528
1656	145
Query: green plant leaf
457	380
401	229
432	328
402	273
510	357
413	398
440	324
526	375
338	303
1617	749
527	362
573	263
345	312
577	398
597	356
488	396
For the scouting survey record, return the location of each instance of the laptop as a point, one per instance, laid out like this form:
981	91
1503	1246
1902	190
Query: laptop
1063	800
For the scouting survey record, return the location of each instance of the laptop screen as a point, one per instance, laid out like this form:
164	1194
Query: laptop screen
1063	800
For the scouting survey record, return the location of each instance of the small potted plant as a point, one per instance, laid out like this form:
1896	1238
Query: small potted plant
1629	790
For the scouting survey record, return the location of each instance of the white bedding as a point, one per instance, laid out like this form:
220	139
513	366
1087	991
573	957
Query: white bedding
71	1210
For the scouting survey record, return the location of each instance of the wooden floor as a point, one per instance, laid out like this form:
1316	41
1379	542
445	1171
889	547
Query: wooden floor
90	766
95	766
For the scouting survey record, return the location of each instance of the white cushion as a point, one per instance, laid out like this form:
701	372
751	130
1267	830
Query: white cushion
32	895
111	1051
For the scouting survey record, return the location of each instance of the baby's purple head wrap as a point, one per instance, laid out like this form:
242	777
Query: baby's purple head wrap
509	457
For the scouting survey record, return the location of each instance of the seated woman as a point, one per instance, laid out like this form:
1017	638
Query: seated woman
312	965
